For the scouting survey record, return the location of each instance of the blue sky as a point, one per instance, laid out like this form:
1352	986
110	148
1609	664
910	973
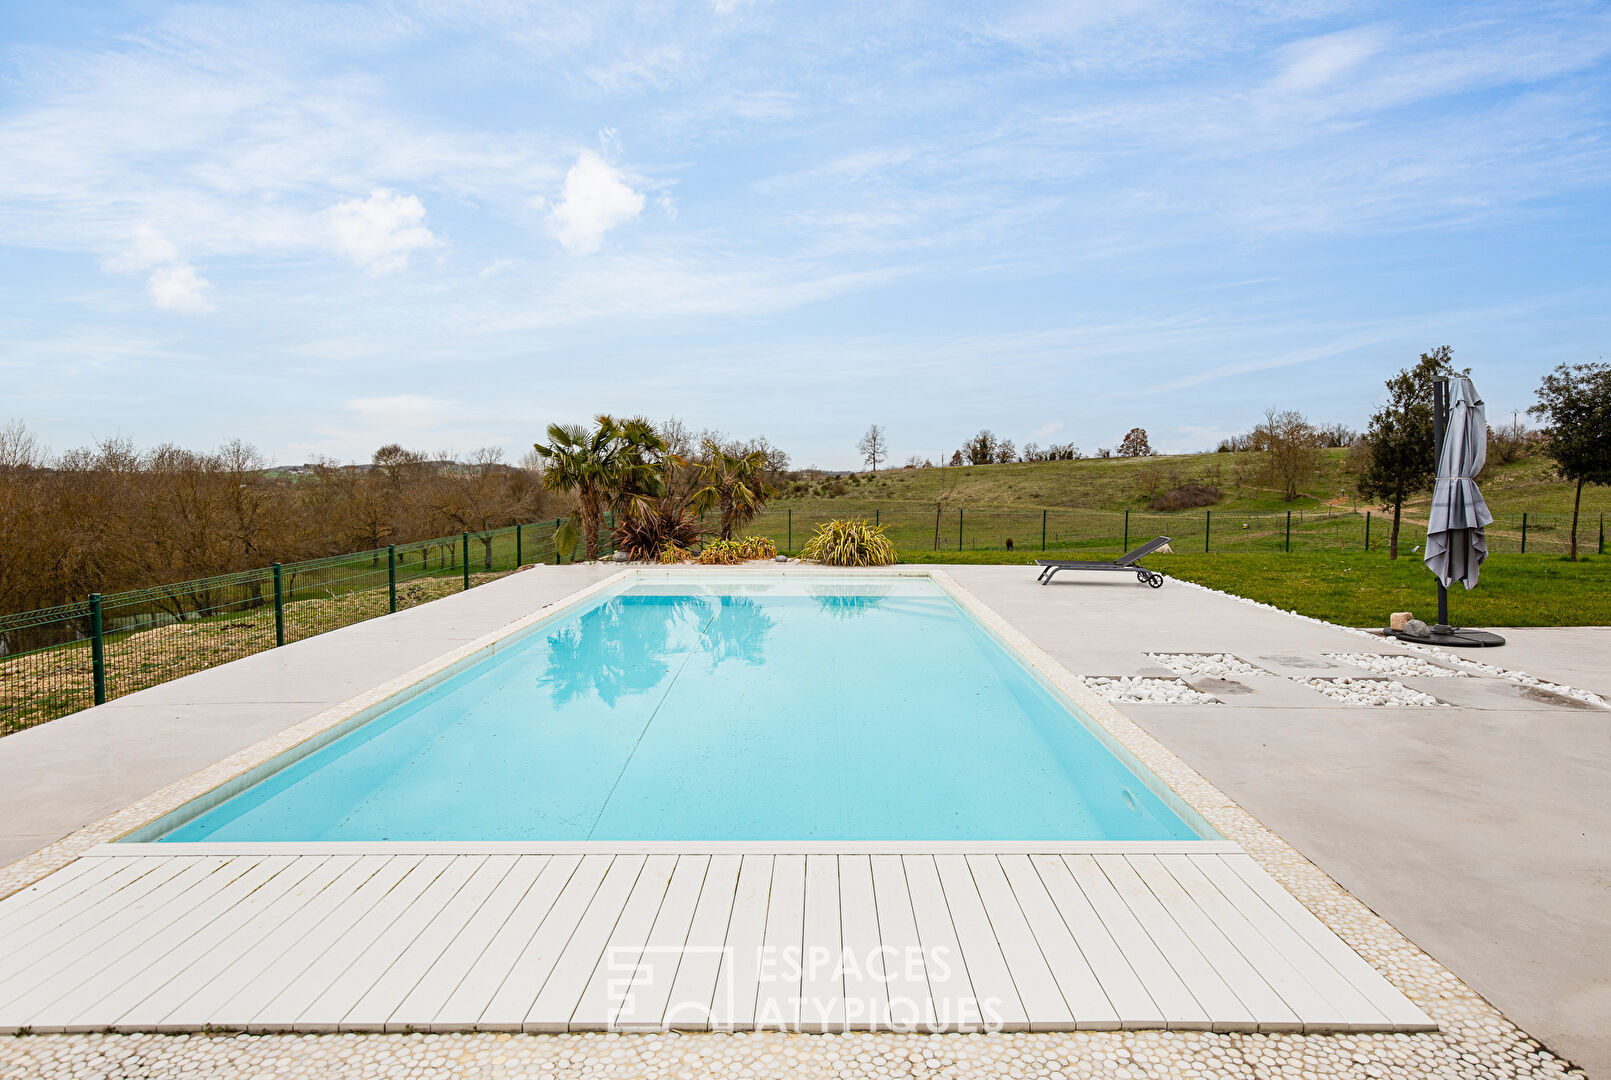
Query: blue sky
320	227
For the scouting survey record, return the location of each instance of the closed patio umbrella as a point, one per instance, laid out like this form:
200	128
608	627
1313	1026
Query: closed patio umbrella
1455	544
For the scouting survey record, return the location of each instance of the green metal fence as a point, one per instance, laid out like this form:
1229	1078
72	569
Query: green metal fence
923	527
58	660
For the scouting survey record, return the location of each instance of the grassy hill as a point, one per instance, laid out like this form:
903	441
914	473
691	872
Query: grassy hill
1111	484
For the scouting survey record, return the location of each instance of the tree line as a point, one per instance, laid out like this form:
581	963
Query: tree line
111	517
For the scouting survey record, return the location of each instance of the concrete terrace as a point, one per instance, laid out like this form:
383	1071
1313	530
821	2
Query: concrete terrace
1480	830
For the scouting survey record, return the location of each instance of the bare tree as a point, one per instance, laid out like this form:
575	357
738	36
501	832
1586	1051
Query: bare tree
1006	453
873	447
1289	446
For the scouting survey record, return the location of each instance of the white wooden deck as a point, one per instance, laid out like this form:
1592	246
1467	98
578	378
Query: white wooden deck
398	937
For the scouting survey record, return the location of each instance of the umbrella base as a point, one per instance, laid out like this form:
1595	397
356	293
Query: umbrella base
1453	636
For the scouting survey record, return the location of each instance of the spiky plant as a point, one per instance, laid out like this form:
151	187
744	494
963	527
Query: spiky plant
850	542
645	533
757	547
616	465
721	553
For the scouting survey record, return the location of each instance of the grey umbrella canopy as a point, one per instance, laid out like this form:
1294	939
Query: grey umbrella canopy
1455	545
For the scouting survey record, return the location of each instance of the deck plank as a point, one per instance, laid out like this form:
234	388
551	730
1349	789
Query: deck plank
207	929
693	988
777	997
902	961
644	1006
200	962
1082	991
360	925
1043	999
1179	1008
417	948
1119	981
55	964
613	969
951	999
1265	1005
822	984
551	1009
511	1003
987	965
866	999
469	998
732	1006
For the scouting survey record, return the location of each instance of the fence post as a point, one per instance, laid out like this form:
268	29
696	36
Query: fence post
791	528
464	540
959	530
557	523
517	545
1367	530
391	575
1208	527
1524	532
1127	530
1602	532
98	648
1289	530
878	517
1043	530
279	608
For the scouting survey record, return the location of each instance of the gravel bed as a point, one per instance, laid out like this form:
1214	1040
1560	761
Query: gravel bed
1521	678
1403	667
1205	665
1134	689
1373	692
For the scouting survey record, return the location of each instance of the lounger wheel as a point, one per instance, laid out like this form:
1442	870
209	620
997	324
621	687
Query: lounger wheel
1155	580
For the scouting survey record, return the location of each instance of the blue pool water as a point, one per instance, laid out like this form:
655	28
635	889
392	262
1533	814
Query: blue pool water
770	708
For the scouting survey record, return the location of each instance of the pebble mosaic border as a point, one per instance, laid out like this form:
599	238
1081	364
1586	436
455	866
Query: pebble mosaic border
1143	689
1206	665
1474	1040
1377	692
1403	667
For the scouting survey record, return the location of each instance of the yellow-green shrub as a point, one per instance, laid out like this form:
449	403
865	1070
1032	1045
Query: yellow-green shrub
721	553
851	542
758	547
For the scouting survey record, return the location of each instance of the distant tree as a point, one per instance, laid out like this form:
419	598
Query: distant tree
1575	404
873	447
1006	453
914	462
1337	435
1510	442
1398	459
617	464
1062	452
1135	444
1103	452
981	449
1032	452
1289	446
956	457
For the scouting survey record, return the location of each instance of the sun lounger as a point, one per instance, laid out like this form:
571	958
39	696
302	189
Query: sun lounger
1129	562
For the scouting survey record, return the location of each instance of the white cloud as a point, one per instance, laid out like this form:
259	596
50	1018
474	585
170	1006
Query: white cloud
596	199
148	248
174	284
379	232
1046	431
1316	61
177	287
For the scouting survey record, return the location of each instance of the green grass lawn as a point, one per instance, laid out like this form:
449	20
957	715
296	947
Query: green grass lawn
1364	589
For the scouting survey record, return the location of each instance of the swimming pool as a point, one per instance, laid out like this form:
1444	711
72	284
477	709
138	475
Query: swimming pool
689	706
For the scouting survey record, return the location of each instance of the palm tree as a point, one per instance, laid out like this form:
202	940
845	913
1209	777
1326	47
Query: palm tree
732	482
616	466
